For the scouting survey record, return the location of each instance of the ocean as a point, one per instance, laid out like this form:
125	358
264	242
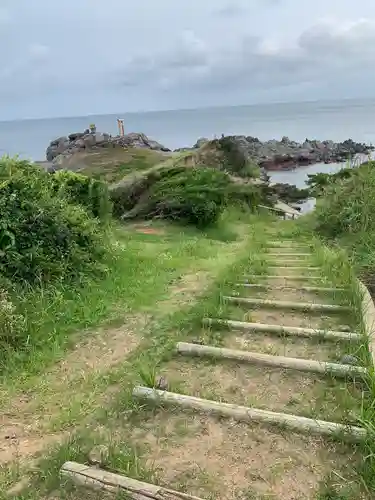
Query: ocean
336	120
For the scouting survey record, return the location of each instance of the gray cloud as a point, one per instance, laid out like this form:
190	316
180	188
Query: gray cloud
230	10
163	55
323	50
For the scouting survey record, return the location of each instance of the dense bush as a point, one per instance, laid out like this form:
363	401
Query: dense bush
236	161
134	187
318	183
12	324
42	235
92	194
348	205
290	193
191	195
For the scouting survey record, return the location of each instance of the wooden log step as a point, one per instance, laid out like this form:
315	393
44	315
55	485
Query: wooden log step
300	268
285	277
283	330
269	286
289	254
281	304
248	415
288	245
304	365
98	479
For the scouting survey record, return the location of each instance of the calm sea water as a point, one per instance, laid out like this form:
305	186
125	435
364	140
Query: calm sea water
337	120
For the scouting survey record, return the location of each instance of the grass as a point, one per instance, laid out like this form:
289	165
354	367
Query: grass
135	279
101	409
92	405
112	164
342	268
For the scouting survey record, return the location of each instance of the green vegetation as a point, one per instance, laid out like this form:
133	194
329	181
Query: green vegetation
344	220
43	235
191	194
345	214
59	244
89	303
319	182
234	160
79	189
176	315
112	164
289	193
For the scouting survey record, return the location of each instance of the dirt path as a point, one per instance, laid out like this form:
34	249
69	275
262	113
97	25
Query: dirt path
225	458
53	406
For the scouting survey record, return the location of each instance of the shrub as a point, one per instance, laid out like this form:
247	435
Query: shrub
42	235
289	193
194	196
319	182
133	188
12	324
249	195
348	205
92	194
236	159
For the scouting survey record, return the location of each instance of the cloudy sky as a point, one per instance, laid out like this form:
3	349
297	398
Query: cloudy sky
81	57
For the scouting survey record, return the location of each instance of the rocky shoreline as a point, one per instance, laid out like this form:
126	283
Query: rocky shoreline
272	155
286	154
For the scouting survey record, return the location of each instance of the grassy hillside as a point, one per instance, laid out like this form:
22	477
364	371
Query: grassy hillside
113	164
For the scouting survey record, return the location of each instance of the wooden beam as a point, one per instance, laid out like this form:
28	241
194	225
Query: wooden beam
305	365
285	277
270	286
280	304
284	330
289	254
300	268
245	414
368	318
287	244
98	479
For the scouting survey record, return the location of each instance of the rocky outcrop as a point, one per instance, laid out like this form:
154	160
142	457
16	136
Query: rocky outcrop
138	140
241	150
287	154
63	147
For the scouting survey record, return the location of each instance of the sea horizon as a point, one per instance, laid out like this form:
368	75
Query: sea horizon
325	119
199	108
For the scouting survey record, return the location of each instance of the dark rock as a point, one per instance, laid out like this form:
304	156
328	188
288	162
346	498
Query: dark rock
89	141
80	144
57	147
59	140
75	136
138	140
349	359
101	138
287	154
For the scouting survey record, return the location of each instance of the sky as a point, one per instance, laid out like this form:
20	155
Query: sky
81	57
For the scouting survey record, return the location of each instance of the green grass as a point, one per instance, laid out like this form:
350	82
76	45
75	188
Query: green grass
142	366
341	266
140	268
112	164
101	409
